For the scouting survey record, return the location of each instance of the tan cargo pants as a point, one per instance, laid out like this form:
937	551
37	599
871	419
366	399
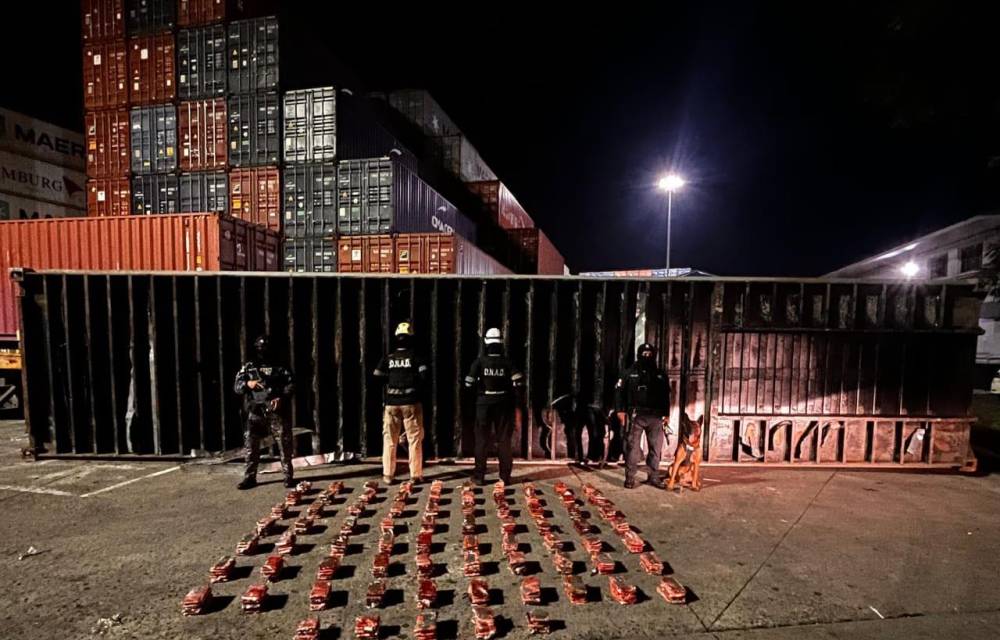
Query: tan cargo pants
395	419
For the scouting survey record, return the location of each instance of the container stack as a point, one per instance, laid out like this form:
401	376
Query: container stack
182	114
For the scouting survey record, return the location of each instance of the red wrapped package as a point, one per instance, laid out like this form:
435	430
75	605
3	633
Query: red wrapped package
538	622
470	543
304	487
426	626
319	595
560	487
425	567
633	542
387	525
484	623
386	542
339	546
426	593
279	510
575	590
366	627
510	543
479	592
222	569
424	542
248	545
672	591
603	564
356	508
196	601
397	508
508	525
286	543
552	542
428	524
272	567
469	525
265	525
562	564
292	498
471	566
544	527
651	563
328	568
620	525
303	525
590	490
380	565
350	524
582	527
315	510
593	544
531	591
308	629
517	563
375	594
253	600
621	592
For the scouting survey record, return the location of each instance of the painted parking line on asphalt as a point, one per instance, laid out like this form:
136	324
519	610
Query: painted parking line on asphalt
41	490
127	482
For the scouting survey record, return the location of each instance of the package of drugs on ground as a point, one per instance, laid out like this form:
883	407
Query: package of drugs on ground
432	508
603	564
651	563
592	544
303	525
308	629
471	567
328	568
426	593
529	490
552	542
590	490
339	545
315	510
222	569
371	484
484	622
538	622
397	508
319	595
531	591
470	542
563	565
620	525
672	591
253	599
560	487
544	526
601	502
375	593
266	525
386	542
368	495
469	525
279	511
426	626
428	524
575	590
349	525
366	628
272	567
517	562
509	543
508	525
621	592
304	487
380	565
286	543
425	567
479	591
425	540
334	489
247	545
607	511
633	542
356	508
196	601
293	498
388	525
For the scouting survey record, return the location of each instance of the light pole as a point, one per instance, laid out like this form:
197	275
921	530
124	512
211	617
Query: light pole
670	183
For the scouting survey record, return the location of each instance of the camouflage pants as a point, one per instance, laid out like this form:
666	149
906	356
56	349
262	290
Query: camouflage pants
257	428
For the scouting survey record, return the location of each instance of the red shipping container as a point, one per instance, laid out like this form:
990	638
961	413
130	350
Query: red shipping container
109	197
102	20
105	75
108	146
181	242
202	127
192	13
255	196
443	253
536	253
366	254
151	66
502	205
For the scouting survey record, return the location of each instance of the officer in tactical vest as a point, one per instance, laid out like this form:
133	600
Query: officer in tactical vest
403	372
643	404
265	387
498	386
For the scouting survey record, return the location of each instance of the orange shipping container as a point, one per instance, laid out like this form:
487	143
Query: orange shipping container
366	254
203	127
443	253
105	75
181	242
151	67
108	149
255	196
109	197
504	208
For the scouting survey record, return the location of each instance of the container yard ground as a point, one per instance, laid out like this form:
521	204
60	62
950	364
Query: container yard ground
768	553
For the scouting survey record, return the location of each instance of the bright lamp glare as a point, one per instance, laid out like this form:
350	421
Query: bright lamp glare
671	182
909	269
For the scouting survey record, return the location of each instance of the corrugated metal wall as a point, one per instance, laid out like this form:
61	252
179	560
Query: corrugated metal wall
788	372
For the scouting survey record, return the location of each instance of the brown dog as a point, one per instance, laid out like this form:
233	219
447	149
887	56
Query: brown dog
688	449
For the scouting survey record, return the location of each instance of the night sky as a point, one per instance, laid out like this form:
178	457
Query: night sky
811	139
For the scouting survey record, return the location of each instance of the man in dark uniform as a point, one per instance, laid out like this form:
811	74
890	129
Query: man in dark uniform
404	373
265	387
643	399
498	385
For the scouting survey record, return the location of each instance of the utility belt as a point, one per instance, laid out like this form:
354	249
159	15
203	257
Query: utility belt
487	392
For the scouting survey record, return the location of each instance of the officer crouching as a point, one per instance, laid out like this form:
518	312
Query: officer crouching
643	404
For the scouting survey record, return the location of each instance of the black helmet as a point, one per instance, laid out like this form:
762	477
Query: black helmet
262	345
645	352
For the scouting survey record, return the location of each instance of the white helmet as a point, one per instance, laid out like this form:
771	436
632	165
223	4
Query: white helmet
493	336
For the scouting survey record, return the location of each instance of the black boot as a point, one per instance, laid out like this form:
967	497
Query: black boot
630	483
290	482
247	483
655	482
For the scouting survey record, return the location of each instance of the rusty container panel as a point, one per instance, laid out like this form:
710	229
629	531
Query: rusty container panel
108	143
503	207
202	127
351	254
109	197
151	64
105	75
443	253
255	196
192	13
366	254
102	20
535	252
